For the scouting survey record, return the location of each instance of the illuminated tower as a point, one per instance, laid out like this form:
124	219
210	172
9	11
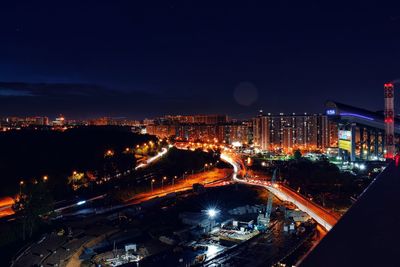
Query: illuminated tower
389	121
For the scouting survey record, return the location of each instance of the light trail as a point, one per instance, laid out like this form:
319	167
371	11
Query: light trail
150	160
81	202
6	204
235	166
207	179
320	215
310	208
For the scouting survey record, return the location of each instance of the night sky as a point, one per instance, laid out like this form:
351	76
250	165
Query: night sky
145	58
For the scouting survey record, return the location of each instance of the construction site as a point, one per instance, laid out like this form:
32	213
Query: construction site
174	232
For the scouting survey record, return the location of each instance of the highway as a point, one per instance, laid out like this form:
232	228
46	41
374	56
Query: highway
213	178
318	213
208	179
6	204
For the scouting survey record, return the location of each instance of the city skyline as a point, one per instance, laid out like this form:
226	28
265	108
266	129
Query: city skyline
122	116
199	133
11	98
166	115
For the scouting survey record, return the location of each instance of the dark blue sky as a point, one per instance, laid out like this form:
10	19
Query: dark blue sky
145	58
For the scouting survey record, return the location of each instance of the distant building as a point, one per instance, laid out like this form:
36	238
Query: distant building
195	119
42	121
59	121
262	131
266	132
293	131
194	132
107	121
148	122
20	122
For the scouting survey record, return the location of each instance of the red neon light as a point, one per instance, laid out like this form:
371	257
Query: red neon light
397	160
388	120
389	156
388	85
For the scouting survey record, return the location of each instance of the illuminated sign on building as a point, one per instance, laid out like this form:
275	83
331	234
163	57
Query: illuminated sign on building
345	145
331	112
345	135
345	140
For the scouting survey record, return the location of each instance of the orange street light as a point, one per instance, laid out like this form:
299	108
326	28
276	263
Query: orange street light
45	178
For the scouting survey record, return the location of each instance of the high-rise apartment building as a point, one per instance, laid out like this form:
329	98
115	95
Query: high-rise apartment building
288	132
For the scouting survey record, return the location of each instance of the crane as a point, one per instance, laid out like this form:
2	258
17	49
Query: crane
264	219
270	199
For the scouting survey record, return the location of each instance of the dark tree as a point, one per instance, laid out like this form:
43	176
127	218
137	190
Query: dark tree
297	154
34	203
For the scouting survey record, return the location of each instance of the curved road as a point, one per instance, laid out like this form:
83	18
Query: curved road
318	213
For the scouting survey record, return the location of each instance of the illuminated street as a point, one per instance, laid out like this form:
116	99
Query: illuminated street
211	178
322	216
6	206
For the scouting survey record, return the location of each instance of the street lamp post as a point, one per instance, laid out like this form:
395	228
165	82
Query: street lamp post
74	173
152	182
21	183
173	180
212	213
162	182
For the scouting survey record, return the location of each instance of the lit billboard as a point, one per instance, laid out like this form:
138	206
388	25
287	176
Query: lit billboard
345	140
345	145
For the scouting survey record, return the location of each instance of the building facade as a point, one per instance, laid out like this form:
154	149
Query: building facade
293	131
267	132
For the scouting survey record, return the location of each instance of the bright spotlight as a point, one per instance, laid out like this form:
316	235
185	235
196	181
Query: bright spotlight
211	213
